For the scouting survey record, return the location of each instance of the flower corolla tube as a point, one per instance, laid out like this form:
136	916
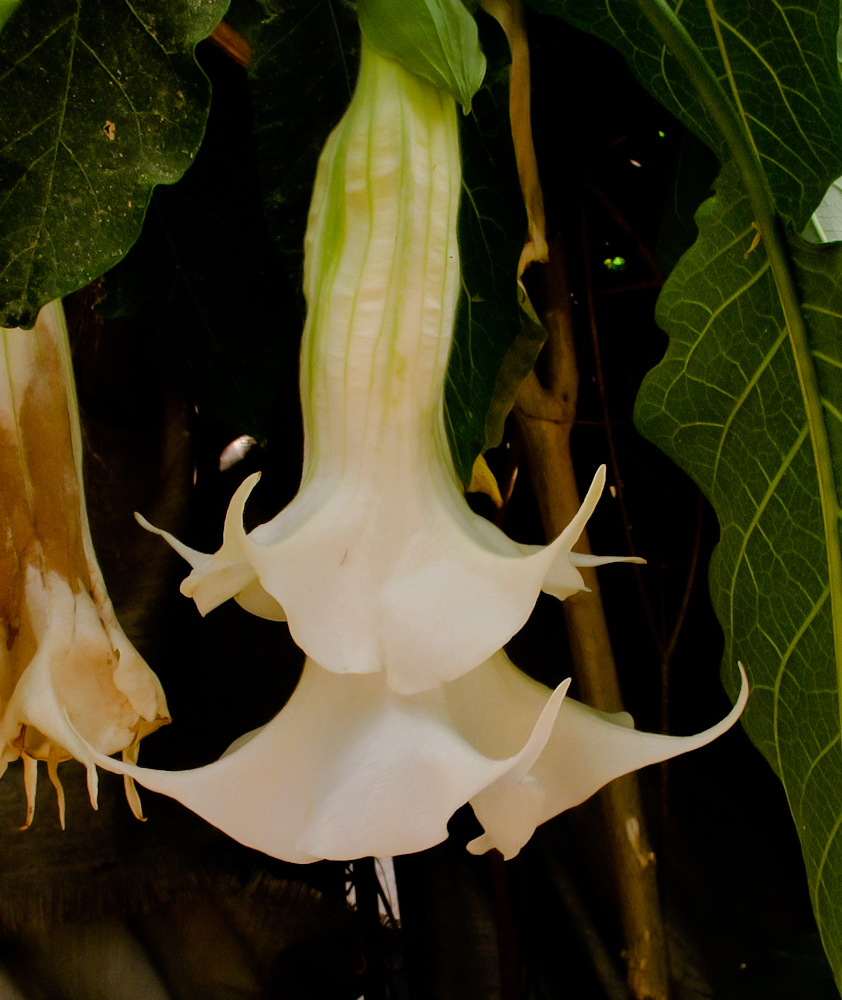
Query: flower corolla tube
379	564
400	596
70	680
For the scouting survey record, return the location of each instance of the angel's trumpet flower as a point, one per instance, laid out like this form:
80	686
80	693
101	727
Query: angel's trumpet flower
66	668
401	597
378	563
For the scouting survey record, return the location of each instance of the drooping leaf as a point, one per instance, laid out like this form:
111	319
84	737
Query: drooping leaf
301	77
517	363
204	280
99	101
727	402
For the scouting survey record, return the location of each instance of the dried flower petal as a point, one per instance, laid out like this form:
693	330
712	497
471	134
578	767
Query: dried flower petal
63	654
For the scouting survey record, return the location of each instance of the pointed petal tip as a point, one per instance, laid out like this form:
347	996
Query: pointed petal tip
595	490
568	538
248	484
191	556
233	528
742	698
141	520
588	559
713	732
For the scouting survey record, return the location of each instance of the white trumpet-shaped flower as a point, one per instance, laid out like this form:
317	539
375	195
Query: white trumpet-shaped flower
378	563
401	597
350	768
66	668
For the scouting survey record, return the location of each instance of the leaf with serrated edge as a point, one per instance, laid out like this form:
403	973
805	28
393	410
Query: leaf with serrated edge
99	101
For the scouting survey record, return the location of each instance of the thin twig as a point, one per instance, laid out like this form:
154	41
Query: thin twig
621	221
682	611
656	633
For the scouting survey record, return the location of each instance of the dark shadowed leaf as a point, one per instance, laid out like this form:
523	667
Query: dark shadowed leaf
99	101
302	75
782	58
204	280
492	231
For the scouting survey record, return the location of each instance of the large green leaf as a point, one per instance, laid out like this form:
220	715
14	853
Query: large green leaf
99	101
781	58
748	398
725	403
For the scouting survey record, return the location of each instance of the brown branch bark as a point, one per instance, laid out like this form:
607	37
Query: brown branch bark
545	414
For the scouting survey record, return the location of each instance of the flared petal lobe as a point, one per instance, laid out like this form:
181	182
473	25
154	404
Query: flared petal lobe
349	768
586	750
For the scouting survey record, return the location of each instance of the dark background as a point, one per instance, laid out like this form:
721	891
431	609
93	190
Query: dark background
621	180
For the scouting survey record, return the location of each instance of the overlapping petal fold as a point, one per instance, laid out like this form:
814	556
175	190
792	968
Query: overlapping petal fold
406	588
585	751
349	768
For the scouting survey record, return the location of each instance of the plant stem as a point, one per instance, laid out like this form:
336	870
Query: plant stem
546	416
